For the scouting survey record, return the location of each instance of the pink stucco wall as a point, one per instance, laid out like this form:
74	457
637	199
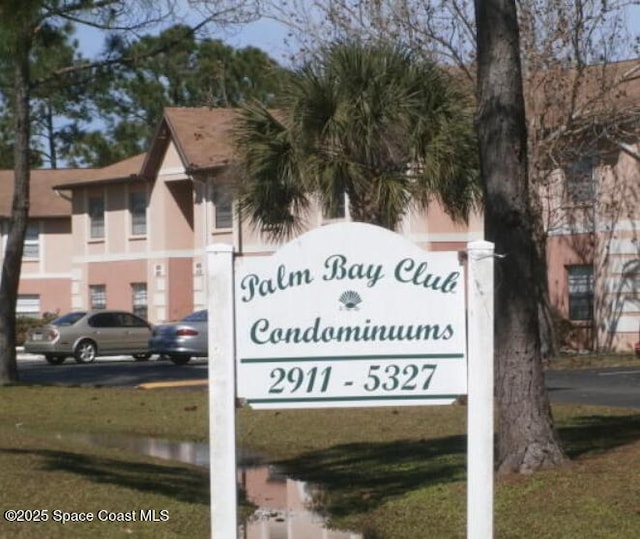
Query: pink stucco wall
180	293
563	251
49	275
55	294
117	276
602	231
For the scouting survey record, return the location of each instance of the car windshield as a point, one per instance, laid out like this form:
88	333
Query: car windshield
68	319
198	316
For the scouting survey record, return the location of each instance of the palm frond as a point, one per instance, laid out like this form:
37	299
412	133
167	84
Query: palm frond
368	119
271	192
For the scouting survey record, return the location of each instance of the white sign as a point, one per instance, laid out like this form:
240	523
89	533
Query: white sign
350	315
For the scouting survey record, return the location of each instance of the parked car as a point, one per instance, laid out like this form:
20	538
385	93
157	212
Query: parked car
86	335
182	340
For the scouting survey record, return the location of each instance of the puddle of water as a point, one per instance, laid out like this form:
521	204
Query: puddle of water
283	508
283	503
187	452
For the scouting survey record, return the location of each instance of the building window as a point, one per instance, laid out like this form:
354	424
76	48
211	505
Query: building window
138	211
139	299
339	210
580	179
580	292
28	305
223	203
98	296
96	217
32	241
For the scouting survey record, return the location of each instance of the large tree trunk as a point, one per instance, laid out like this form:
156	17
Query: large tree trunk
12	262
526	438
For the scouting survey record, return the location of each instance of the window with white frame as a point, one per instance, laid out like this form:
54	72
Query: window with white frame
31	247
28	305
338	210
96	217
223	206
580	292
138	212
580	177
139	299
98	296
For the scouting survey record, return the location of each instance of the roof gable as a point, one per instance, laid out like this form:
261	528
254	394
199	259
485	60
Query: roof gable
202	137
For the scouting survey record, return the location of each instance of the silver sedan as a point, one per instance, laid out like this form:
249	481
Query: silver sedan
86	335
182	340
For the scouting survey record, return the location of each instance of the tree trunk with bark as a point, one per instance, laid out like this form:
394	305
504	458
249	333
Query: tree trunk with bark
12	261
526	437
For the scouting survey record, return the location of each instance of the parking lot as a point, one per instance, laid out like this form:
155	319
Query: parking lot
115	371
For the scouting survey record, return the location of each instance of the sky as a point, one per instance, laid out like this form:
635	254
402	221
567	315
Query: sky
269	36
265	34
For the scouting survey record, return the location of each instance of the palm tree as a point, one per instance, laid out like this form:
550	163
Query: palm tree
370	120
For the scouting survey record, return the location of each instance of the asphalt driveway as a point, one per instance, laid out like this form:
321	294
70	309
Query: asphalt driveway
618	387
117	371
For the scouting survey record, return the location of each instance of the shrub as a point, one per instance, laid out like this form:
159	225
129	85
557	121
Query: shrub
25	323
563	330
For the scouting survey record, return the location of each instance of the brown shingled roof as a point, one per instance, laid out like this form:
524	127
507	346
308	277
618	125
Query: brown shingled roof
604	93
44	201
45	198
202	137
126	169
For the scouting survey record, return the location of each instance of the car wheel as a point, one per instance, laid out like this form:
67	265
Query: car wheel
141	357
85	352
180	359
53	359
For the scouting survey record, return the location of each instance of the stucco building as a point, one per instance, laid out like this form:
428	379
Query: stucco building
133	235
592	220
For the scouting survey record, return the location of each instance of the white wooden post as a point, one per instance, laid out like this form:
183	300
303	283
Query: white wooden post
222	395
480	390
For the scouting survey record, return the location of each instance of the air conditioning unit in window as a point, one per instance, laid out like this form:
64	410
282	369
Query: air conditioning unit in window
158	270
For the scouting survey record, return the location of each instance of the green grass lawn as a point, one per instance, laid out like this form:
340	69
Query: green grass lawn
393	473
42	469
400	473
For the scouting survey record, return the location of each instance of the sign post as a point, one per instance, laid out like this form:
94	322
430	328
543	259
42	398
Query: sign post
222	429
480	398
